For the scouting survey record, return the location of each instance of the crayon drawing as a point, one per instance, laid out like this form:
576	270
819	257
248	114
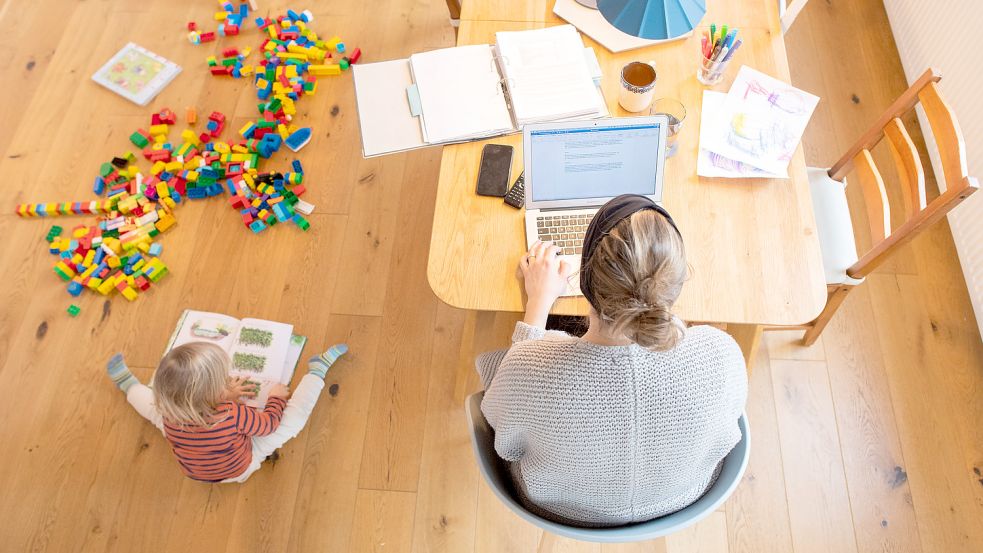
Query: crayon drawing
761	122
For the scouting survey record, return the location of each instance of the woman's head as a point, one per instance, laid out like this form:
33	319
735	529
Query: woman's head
190	382
633	275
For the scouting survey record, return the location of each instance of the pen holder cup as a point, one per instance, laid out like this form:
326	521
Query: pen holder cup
711	72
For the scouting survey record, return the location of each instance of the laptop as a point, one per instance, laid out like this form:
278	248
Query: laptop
573	168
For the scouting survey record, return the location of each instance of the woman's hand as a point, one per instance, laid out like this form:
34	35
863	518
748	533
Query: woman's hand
239	387
545	277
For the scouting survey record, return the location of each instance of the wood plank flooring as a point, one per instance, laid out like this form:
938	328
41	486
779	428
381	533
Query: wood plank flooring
867	442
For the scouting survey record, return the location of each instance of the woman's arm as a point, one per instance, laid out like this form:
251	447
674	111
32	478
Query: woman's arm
545	277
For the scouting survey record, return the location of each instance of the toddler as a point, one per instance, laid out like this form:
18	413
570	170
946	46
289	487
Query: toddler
195	403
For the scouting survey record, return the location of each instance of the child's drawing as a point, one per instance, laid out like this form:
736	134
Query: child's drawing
762	121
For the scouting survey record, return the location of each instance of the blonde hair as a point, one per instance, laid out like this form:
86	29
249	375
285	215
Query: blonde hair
637	272
190	382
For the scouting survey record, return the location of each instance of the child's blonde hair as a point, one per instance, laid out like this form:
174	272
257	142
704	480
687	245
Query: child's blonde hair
190	382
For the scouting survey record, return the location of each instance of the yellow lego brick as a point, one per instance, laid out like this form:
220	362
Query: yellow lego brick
158	129
173	166
222	147
240	149
157	168
332	43
246	70
106	287
191	176
324	70
190	137
220	16
94	283
129	293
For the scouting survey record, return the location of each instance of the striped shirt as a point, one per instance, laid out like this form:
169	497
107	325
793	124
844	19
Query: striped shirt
213	454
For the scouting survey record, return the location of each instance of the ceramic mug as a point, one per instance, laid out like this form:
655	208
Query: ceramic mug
637	86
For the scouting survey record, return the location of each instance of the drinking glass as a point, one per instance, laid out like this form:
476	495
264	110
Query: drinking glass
676	112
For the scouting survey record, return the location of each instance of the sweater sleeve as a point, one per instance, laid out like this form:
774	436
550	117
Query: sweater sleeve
253	422
504	407
487	363
524	332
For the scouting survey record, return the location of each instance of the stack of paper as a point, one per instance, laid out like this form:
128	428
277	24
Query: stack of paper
754	129
461	94
547	75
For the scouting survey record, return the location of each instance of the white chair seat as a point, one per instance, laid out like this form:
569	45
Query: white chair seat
834	226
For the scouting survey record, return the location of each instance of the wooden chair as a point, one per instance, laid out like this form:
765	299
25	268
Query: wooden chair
454	8
844	268
787	12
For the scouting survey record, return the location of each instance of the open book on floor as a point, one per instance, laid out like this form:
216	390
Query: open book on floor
263	351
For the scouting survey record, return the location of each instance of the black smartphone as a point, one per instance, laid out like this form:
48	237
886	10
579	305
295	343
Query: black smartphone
494	171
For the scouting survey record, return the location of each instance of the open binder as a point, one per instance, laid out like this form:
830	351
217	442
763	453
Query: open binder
478	91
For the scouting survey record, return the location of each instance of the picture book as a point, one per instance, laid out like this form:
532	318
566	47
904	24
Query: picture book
136	74
263	351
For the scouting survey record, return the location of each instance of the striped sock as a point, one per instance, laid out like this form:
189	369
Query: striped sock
120	374
319	364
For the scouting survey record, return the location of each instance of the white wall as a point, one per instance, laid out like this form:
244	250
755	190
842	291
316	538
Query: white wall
945	34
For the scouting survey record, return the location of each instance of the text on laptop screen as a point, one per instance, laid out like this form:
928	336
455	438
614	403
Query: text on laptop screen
594	162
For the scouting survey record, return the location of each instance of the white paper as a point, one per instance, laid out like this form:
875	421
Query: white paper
460	93
709	164
761	122
547	74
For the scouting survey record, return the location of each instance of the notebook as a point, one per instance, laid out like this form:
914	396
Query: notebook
460	92
263	351
547	75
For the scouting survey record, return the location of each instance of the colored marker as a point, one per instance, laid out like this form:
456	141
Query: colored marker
730	53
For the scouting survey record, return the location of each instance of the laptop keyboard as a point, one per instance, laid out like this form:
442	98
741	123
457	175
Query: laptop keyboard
566	231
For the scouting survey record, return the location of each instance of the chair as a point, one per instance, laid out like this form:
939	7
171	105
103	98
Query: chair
844	268
788	12
496	474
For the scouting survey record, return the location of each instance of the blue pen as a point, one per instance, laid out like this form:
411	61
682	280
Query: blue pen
729	40
732	50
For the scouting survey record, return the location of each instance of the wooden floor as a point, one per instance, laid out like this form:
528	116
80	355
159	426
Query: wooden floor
870	441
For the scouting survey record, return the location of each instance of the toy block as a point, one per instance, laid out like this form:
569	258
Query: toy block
73	310
340	47
192	26
355	55
140	138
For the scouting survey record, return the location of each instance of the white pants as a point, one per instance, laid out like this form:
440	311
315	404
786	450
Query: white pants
295	416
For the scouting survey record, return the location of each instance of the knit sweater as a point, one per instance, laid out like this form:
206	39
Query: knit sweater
610	435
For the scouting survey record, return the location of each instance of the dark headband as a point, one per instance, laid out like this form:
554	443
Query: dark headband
616	210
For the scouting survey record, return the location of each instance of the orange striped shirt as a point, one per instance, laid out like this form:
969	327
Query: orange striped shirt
213	454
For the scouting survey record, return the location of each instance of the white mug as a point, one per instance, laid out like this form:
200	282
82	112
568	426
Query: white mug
637	86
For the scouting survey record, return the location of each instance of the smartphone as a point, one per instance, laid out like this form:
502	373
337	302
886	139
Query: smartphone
495	169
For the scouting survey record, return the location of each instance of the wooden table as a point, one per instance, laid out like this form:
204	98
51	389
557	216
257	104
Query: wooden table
751	243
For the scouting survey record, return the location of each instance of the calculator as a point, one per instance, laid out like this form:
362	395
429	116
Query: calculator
517	194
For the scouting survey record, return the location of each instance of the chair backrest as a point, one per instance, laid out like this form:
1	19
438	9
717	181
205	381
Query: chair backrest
787	12
496	474
918	214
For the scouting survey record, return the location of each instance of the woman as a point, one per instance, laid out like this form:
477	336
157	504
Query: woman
631	421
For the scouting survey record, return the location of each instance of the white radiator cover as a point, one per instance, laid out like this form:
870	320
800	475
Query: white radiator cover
937	34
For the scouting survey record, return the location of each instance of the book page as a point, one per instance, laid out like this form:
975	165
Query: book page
547	75
294	349
136	73
259	349
460	93
202	326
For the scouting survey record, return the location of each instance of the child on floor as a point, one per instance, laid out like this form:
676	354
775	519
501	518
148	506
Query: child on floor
195	403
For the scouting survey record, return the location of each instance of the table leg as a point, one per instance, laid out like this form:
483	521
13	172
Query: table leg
748	336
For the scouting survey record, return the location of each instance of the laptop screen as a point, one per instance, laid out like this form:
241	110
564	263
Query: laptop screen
594	162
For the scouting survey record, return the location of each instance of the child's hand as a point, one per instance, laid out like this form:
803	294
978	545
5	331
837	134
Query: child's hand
279	390
239	387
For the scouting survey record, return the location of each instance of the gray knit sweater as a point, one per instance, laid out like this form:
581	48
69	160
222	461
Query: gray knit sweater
610	435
